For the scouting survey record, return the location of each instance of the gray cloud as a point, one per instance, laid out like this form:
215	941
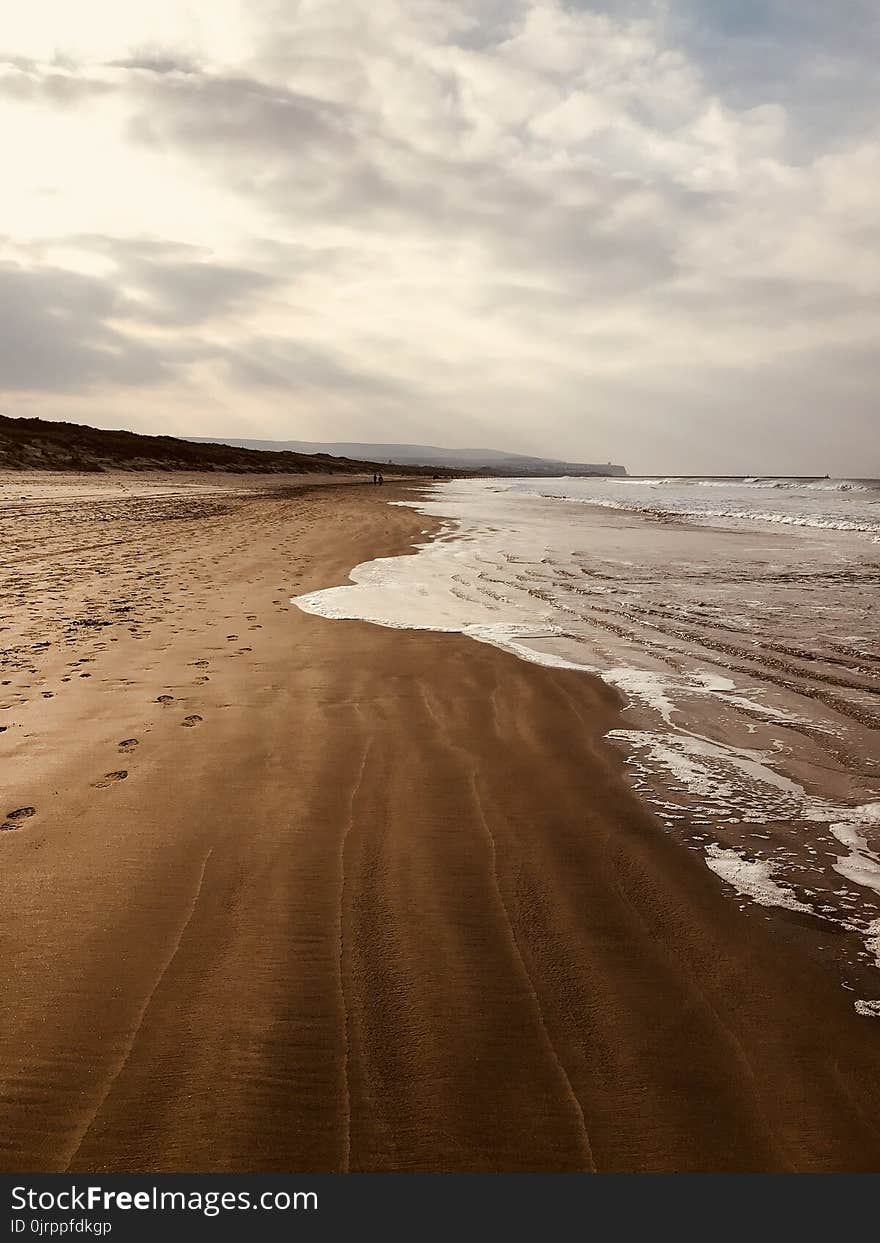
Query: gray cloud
56	336
302	158
26	82
156	61
169	283
276	362
235	116
62	328
192	293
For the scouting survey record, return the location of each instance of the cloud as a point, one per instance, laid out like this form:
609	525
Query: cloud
25	81
179	293
236	117
815	59
156	61
57	335
293	366
67	331
568	227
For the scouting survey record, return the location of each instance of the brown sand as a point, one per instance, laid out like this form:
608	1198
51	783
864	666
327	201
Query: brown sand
313	895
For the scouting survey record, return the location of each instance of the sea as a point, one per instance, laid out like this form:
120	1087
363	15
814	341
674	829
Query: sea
739	620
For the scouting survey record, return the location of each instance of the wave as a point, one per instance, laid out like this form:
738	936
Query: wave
797	485
752	481
818	521
842	485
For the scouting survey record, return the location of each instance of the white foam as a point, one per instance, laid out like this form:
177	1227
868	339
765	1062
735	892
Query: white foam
861	865
698	762
753	878
872	940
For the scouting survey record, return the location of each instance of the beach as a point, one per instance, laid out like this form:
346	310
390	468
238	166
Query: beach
281	892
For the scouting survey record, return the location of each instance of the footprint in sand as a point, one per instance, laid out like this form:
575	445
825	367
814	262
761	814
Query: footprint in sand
110	779
14	818
190	721
128	744
200	664
165	699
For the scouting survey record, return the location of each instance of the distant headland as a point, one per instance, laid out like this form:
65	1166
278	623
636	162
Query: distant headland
473	461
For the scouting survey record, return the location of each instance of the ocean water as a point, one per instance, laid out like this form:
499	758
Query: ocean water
740	622
824	504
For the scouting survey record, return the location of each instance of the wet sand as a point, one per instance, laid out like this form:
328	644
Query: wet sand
310	895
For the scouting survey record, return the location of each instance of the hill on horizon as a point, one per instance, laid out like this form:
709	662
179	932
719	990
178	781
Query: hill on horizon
41	444
496	461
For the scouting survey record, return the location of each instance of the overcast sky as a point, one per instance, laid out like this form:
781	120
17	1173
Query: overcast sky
628	230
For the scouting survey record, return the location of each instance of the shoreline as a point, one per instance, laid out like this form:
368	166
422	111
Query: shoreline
364	898
747	724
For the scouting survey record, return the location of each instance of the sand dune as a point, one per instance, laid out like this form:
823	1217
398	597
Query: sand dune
311	895
49	445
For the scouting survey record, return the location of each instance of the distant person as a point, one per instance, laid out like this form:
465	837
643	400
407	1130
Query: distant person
379	479
375	477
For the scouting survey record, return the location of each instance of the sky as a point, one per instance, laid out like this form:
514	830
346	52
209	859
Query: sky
627	230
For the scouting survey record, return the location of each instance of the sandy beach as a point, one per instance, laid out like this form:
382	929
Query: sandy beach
282	893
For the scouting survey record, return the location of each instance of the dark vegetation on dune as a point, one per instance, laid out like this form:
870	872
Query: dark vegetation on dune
35	444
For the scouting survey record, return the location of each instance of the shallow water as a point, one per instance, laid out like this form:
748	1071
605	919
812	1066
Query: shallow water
747	648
